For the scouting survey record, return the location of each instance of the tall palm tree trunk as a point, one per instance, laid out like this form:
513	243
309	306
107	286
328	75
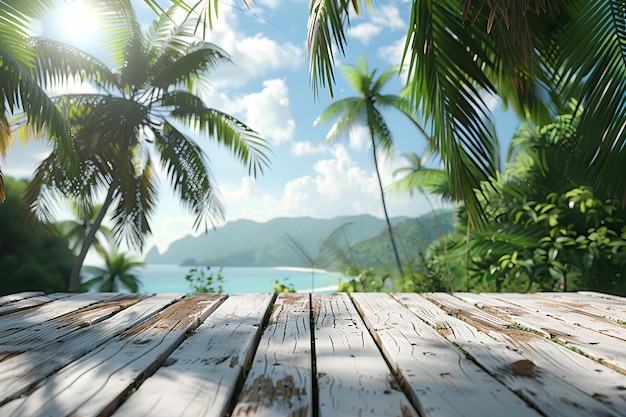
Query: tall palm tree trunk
74	282
382	198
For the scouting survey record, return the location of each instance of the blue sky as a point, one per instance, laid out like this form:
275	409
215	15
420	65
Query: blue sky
268	88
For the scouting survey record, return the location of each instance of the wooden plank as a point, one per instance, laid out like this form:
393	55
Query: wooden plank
21	340
280	380
598	346
560	311
30	302
41	313
441	380
96	383
353	378
591	304
554	379
200	378
10	298
29	361
615	298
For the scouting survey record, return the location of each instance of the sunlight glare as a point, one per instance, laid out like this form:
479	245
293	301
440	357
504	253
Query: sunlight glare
77	21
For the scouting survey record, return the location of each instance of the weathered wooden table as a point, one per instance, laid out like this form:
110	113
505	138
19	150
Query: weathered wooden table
550	354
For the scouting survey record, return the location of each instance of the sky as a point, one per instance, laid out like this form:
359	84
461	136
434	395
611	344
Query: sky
268	88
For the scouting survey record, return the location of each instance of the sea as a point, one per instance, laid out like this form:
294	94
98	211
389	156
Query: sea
161	278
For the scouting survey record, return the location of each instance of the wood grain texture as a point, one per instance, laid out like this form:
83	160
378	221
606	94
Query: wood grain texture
597	345
567	314
18	307
591	303
96	383
41	313
554	379
441	380
11	298
200	377
210	355
28	360
353	378
280	380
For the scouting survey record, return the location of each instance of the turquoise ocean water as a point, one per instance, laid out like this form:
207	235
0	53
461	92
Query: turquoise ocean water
171	278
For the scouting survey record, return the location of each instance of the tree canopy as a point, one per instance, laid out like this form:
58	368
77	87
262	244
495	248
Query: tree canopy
30	261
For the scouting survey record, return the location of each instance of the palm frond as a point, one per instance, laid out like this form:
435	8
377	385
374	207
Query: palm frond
120	27
327	24
348	113
446	80
187	170
418	177
20	91
599	60
244	143
381	134
136	202
171	71
59	62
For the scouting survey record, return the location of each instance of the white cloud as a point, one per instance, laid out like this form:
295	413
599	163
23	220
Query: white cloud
393	53
364	32
339	186
384	17
244	193
359	138
388	16
307	148
253	56
268	111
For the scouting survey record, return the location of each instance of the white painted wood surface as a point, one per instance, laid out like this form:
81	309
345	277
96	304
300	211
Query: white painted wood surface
352	377
556	380
577	317
27	303
597	345
280	381
200	377
48	311
10	298
365	354
591	303
29	360
96	383
441	380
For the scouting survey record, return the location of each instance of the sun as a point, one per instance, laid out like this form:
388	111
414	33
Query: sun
77	22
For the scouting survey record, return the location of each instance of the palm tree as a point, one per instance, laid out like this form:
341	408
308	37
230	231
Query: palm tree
76	230
366	110
120	270
19	90
136	117
534	55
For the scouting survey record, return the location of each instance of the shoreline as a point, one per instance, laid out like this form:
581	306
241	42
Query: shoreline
299	269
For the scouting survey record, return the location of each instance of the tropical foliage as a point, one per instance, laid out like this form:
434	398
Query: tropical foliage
135	118
549	228
120	272
205	281
76	229
534	55
19	89
366	110
29	261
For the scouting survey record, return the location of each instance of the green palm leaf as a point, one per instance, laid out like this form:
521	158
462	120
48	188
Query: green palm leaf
599	62
136	201
243	142
185	164
58	62
171	71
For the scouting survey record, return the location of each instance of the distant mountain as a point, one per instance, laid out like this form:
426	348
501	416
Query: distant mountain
248	243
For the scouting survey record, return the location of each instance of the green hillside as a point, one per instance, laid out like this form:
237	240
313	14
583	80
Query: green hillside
248	243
